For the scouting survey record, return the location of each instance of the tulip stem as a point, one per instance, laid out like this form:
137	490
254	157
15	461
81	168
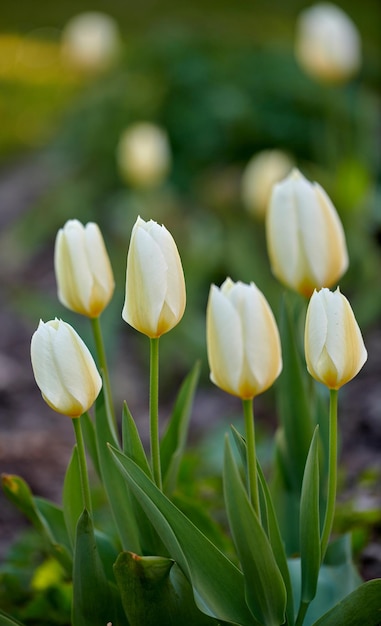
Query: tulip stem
99	344
154	410
82	464
252	480
332	473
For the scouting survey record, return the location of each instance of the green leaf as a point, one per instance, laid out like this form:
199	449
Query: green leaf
173	441
95	599
155	591
115	486
218	585
362	606
72	496
271	526
310	523
7	620
264	587
46	517
132	443
89	436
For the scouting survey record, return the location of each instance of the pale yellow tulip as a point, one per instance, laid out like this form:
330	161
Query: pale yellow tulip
155	287
243	341
334	347
305	237
63	368
83	271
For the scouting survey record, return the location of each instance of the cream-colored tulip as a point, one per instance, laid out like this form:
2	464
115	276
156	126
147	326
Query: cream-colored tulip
327	44
243	341
305	237
83	271
260	175
63	368
155	287
144	155
91	41
334	347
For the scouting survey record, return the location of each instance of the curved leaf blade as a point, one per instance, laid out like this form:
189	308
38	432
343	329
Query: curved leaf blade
362	606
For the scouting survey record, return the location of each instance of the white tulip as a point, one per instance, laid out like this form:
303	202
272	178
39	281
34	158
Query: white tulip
63	368
144	155
334	347
243	341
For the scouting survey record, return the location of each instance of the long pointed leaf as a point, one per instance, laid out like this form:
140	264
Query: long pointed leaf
362	606
265	589
217	584
310	523
173	441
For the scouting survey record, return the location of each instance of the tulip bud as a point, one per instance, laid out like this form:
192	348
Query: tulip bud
63	368
334	347
143	155
305	237
91	41
155	286
262	171
83	271
243	341
328	45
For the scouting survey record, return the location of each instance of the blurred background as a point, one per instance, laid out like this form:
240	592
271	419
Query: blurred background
185	113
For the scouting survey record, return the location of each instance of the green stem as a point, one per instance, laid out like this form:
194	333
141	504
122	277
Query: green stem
154	410
252	480
302	613
99	344
82	464
332	473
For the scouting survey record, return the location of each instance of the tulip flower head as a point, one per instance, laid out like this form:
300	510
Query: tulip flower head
334	347
262	172
305	237
155	286
243	341
63	368
144	155
83	271
328	44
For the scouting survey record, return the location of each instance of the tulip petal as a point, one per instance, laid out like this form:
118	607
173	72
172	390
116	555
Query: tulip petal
225	342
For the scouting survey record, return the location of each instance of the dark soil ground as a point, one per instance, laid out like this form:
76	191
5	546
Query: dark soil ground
36	443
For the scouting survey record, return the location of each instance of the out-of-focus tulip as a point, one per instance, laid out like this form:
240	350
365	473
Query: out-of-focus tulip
327	45
305	237
83	271
261	173
334	346
155	286
243	341
91	41
63	368
144	155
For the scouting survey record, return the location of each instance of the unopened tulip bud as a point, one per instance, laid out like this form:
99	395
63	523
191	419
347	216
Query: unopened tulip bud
64	369
83	271
91	41
155	286
144	155
260	175
328	45
305	237
334	346
243	341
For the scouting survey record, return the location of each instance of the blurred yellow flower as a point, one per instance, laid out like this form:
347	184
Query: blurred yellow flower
305	237
327	45
334	347
155	287
63	368
260	174
144	155
83	271
243	341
